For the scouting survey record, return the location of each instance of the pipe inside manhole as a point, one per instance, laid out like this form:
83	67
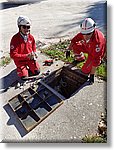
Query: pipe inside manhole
66	81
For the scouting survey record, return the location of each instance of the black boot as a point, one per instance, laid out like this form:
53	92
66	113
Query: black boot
30	73
75	62
67	53
37	72
91	79
23	78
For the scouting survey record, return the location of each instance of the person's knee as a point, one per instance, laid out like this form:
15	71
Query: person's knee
23	78
37	72
22	71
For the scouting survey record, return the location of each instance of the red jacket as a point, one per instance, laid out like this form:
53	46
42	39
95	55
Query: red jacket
19	48
95	48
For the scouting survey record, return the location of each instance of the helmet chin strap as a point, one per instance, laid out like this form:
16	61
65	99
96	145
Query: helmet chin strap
24	36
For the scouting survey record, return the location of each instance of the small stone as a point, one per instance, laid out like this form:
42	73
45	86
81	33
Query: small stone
18	85
90	104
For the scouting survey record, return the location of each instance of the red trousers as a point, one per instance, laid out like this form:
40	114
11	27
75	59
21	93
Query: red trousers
23	66
87	67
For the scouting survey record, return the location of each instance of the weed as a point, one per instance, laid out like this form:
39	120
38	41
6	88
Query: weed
5	61
58	51
93	139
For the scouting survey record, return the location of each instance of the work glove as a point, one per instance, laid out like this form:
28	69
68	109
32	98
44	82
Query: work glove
32	56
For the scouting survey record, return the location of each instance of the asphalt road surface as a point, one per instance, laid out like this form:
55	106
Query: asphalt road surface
52	20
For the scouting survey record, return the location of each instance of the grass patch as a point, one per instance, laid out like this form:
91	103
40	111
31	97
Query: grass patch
94	139
5	60
102	71
58	51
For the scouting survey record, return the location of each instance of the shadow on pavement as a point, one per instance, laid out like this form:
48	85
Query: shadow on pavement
6	5
13	120
97	11
87	83
8	81
11	4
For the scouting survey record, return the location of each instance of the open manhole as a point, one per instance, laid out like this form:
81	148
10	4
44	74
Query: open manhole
66	81
33	105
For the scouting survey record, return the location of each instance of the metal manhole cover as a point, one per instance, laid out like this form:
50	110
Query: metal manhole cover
33	106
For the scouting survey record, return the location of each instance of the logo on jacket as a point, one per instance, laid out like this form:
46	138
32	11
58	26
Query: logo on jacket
12	47
97	48
30	42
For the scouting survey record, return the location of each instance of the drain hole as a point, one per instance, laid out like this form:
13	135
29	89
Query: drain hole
63	86
66	81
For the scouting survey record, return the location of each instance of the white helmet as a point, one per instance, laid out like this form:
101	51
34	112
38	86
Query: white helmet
87	26
23	20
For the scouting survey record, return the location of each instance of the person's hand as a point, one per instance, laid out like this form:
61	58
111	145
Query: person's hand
31	56
36	55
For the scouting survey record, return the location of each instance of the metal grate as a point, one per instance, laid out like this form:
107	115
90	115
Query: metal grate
33	105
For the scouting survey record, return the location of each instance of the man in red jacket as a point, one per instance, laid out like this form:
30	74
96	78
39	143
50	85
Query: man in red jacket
91	41
23	49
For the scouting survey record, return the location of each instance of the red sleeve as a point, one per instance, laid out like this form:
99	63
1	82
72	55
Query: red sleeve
99	55
77	43
14	48
100	51
33	45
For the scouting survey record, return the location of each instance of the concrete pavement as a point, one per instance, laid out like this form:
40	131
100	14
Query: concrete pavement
51	20
80	114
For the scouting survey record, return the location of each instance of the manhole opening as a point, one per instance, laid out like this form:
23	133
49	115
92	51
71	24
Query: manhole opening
66	80
33	105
